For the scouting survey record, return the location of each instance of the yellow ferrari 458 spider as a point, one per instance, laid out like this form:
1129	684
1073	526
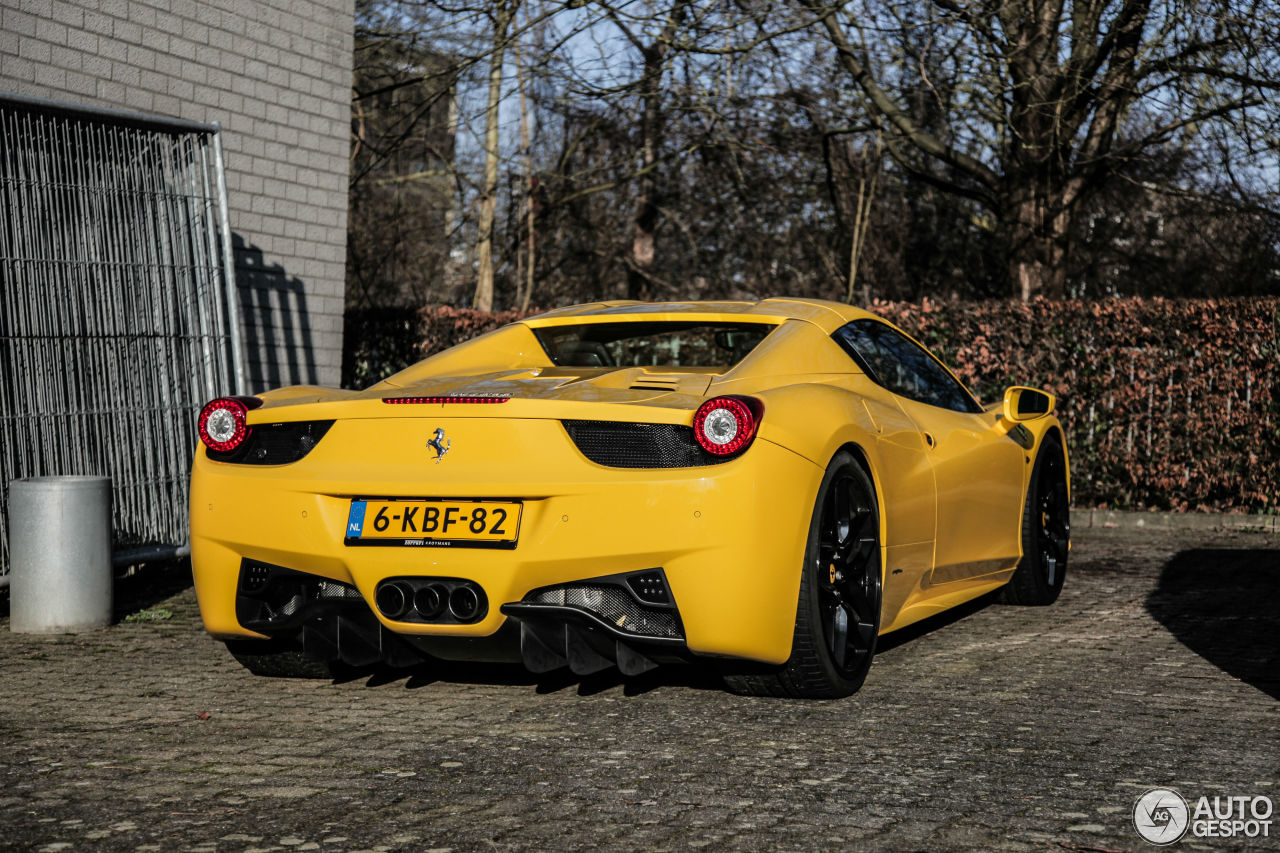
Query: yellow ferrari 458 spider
770	486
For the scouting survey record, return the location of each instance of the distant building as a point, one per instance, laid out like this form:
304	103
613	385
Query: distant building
402	180
277	77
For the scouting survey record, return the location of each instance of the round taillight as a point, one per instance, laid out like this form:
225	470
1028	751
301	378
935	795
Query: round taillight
223	426
726	425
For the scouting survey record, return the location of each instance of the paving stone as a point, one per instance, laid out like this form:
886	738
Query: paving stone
998	728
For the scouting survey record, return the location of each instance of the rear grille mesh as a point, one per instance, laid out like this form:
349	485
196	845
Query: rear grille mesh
614	605
629	445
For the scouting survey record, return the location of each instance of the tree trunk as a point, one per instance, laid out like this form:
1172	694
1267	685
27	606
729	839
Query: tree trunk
524	288
644	235
645	226
1036	231
483	299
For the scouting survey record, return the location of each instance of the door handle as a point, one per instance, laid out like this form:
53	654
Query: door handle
929	440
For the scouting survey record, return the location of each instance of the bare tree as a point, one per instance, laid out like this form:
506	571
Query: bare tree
874	148
654	52
504	12
1045	100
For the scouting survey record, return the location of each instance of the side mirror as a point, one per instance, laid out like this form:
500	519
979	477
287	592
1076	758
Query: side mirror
1027	404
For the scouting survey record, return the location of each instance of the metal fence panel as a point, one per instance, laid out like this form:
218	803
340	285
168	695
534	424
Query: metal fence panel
118	316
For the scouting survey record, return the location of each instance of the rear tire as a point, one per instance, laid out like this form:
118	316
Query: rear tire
838	612
275	660
1046	532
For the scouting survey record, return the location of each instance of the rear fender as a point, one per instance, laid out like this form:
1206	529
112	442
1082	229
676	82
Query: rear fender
817	422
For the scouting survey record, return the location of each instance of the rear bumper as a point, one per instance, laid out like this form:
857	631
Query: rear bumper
730	537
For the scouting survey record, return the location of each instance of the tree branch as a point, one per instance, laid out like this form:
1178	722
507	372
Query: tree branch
883	104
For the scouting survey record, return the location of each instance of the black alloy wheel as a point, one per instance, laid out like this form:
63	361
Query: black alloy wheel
848	573
1046	532
838	614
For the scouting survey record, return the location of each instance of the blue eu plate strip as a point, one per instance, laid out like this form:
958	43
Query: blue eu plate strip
355	521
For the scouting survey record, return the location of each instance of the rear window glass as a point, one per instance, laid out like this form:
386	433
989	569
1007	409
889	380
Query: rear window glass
664	344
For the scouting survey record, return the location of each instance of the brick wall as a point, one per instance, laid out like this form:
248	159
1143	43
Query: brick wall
277	76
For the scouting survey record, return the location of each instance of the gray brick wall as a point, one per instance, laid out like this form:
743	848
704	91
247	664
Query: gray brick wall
277	76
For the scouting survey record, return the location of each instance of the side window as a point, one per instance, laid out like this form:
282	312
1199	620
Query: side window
900	365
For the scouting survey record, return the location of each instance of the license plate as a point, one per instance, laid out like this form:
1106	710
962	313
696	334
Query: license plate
434	524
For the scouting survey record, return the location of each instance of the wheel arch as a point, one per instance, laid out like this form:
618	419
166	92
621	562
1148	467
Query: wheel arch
1050	428
1026	586
1053	430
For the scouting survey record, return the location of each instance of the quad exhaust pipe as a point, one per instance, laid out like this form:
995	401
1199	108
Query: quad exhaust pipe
394	599
429	600
464	603
433	600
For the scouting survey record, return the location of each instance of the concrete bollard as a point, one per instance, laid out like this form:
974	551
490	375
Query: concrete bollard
59	554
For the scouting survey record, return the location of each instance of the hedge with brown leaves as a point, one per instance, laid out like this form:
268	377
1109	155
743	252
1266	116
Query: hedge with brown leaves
378	342
1167	404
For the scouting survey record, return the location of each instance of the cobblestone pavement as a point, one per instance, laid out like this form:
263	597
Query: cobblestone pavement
1003	729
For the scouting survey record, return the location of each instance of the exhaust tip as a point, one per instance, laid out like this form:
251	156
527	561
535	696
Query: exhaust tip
430	601
464	603
393	600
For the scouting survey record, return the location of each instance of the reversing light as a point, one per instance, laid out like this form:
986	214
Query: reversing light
727	425
223	425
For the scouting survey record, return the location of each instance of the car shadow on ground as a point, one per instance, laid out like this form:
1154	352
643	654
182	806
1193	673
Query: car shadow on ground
1224	605
690	676
140	588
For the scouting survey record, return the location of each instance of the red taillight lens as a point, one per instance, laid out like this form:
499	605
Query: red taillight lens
222	424
727	425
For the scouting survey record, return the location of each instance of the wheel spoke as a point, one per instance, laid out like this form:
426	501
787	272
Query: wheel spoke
866	632
863	552
839	635
858	600
830	537
862	522
840	506
1049	563
827	554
